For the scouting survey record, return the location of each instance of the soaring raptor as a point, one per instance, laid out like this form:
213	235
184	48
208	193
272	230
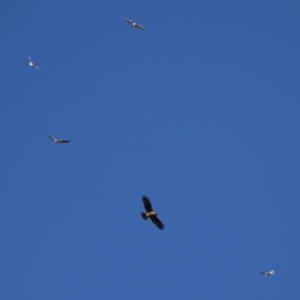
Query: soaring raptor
150	213
57	141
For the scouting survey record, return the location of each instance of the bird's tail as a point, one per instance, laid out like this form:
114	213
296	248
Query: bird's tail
144	215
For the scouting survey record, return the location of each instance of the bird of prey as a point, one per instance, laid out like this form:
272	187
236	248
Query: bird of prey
269	273
150	213
58	141
32	64
135	25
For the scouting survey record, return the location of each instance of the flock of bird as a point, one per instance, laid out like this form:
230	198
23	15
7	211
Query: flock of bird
150	213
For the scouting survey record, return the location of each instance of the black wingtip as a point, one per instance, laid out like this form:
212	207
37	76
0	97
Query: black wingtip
144	197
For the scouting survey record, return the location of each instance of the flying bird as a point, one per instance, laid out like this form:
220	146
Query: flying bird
269	273
150	213
32	64
135	25
58	141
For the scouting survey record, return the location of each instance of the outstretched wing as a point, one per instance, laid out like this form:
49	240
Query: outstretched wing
157	222
147	204
51	137
63	141
141	27
128	21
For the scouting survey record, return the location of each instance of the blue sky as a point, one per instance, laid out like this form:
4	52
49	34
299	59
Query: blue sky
200	113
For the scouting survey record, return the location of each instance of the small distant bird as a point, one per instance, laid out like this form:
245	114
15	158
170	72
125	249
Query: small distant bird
32	64
151	213
269	273
57	141
135	25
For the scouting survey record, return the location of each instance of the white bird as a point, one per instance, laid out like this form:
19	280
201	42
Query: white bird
269	273
32	64
57	141
135	25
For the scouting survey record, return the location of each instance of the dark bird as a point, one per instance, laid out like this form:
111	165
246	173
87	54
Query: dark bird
150	213
57	141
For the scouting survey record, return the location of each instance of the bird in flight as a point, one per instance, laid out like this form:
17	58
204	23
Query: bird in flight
32	64
135	25
150	213
58	141
269	273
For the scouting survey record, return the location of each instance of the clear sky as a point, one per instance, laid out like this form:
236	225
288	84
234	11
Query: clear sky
200	113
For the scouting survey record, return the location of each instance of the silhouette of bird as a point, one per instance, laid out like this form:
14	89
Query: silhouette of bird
135	25
269	273
32	64
150	213
58	141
